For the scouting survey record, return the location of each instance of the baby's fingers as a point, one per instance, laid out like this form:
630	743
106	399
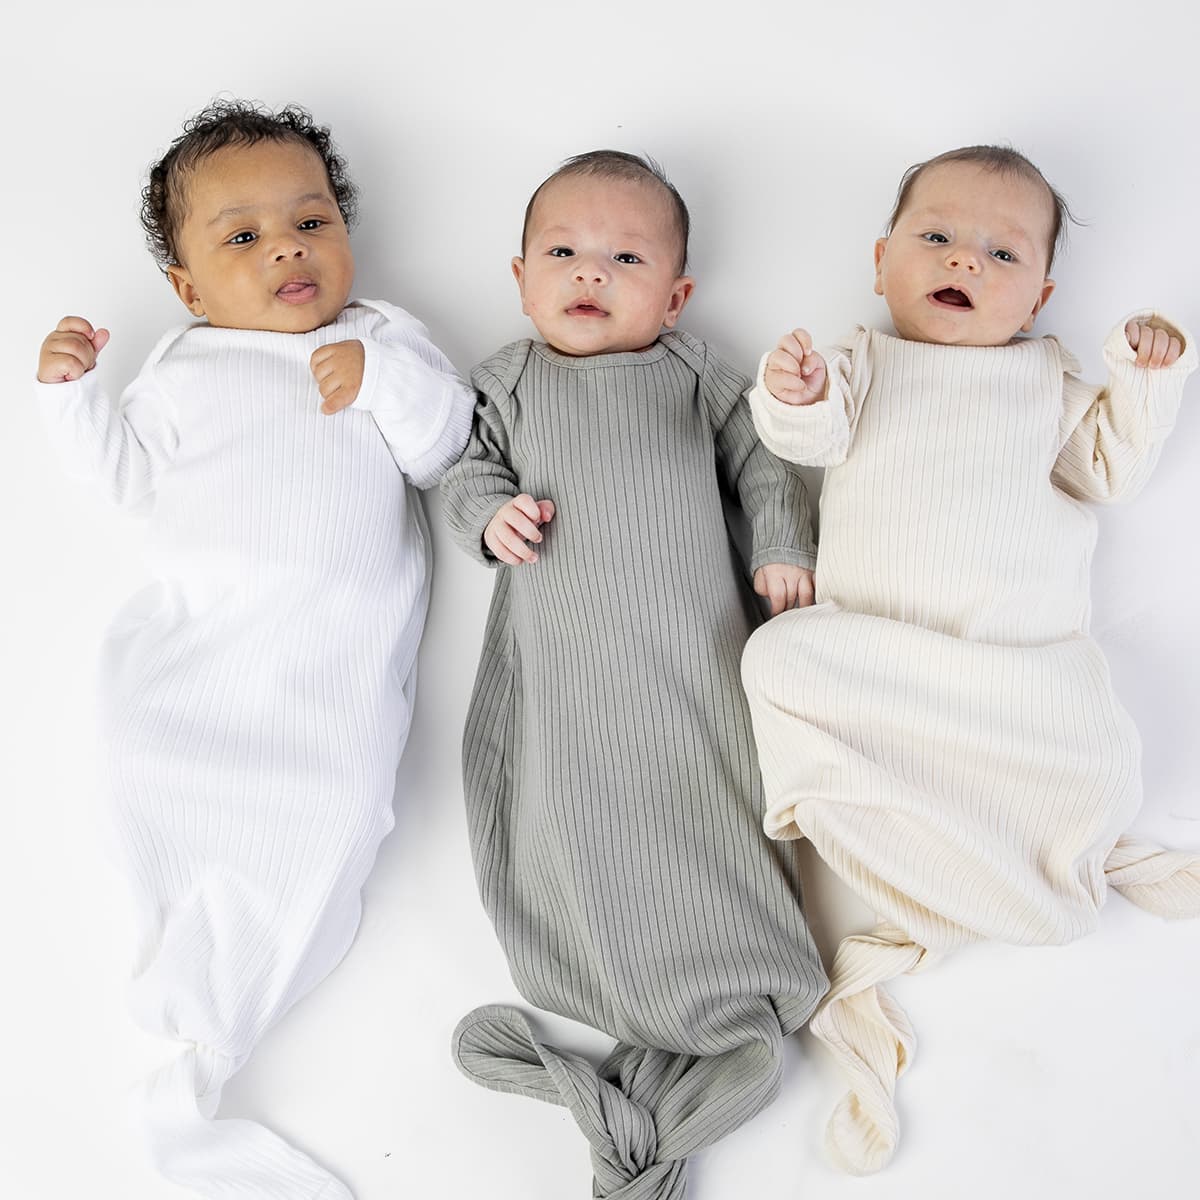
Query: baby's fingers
516	520
336	394
79	325
514	542
773	586
1155	347
783	361
805	590
798	343
69	353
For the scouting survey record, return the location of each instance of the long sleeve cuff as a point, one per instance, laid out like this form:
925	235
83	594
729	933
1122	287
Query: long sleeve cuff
423	414
816	434
1162	387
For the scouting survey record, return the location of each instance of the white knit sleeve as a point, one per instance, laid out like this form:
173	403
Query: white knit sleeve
121	447
817	434
1112	436
420	403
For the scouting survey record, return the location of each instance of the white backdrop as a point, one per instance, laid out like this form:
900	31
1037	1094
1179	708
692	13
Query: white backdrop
1047	1073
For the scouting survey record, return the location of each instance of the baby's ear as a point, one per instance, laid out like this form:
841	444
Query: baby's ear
518	270
185	289
880	248
680	293
1047	288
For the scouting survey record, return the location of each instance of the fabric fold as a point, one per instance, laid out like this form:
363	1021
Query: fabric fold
643	1111
1165	882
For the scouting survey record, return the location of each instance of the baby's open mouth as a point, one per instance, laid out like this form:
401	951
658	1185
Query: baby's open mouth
953	297
587	310
296	290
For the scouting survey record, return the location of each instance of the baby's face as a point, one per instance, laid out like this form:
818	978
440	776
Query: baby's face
965	264
262	241
601	266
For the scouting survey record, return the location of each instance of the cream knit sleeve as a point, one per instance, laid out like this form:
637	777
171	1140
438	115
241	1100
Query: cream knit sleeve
1111	436
818	434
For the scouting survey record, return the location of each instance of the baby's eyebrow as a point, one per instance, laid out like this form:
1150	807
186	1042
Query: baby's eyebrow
1007	229
237	210
566	233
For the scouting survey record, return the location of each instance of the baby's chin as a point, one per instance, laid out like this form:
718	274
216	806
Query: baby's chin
590	348
283	318
933	336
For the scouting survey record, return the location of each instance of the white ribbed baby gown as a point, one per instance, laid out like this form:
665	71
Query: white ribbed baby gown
256	697
939	724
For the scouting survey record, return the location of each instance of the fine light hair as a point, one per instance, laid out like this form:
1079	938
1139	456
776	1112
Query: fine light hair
231	123
1005	161
616	164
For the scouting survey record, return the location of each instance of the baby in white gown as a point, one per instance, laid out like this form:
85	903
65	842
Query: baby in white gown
256	697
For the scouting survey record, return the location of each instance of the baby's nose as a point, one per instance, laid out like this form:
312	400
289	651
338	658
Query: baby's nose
590	271
962	260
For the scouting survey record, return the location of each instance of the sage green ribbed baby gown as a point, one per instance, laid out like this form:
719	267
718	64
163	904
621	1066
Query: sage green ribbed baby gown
612	788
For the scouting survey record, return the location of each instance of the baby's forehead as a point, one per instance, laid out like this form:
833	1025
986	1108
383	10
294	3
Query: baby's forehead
632	208
1010	200
568	194
235	162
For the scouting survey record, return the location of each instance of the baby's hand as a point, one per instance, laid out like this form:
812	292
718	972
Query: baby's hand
70	351
338	370
795	373
514	525
785	586
1155	347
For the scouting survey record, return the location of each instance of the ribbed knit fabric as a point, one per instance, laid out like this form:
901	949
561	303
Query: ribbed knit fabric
939	724
256	697
612	792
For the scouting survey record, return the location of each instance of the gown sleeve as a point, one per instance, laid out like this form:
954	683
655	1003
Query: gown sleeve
817	434
483	478
771	492
121	447
415	396
1111	436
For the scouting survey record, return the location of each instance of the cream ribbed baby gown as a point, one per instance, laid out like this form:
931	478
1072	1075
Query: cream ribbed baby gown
939	724
256	697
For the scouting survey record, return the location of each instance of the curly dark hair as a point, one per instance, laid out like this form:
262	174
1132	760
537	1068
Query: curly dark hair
617	164
1006	161
231	123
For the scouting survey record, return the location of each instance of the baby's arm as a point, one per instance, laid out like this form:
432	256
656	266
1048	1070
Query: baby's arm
803	406
122	446
420	403
488	514
1112	436
771	493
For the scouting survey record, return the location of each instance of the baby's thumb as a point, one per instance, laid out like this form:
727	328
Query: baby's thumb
100	339
545	511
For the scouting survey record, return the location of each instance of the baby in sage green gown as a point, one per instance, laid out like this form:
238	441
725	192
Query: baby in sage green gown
612	789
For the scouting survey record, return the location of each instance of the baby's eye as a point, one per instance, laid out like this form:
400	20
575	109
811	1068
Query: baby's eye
243	239
1004	255
561	252
311	223
626	257
938	239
